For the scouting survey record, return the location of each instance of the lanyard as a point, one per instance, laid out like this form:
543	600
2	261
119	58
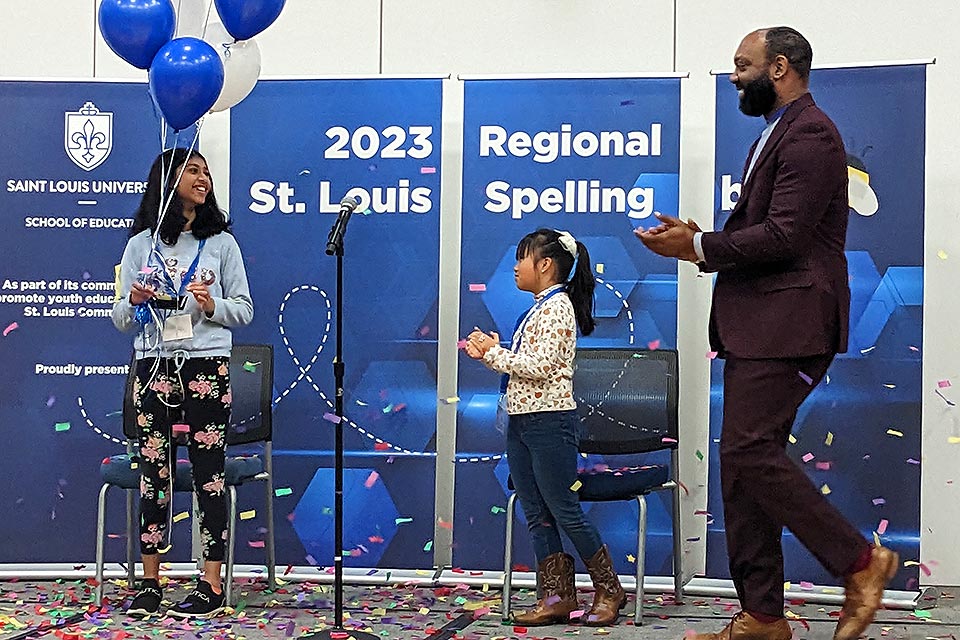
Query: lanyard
521	327
187	277
522	322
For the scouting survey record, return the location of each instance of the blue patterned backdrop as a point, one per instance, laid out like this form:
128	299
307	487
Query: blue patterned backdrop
636	290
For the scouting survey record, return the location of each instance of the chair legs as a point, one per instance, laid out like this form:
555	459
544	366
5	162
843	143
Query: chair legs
508	559
132	531
101	534
271	550
196	547
677	547
641	555
231	543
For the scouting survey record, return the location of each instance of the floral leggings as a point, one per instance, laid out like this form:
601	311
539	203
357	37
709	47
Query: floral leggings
205	407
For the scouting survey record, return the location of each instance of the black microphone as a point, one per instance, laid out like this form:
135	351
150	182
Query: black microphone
335	239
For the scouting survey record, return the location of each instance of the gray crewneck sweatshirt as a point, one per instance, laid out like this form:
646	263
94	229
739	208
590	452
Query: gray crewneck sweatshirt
220	267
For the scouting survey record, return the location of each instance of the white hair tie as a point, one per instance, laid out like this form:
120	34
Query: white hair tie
568	242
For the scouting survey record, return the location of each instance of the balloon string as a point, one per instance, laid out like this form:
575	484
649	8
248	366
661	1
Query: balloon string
176	29
203	34
173	191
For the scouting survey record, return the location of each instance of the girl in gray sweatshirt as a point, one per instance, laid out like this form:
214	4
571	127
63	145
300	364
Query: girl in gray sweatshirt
183	287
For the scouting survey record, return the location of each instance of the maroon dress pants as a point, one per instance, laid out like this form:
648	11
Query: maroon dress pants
763	490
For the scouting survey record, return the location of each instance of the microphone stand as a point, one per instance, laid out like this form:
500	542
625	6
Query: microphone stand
337	632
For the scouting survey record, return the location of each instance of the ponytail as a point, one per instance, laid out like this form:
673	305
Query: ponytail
575	272
580	290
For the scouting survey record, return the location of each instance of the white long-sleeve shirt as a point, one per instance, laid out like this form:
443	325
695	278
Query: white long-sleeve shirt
541	370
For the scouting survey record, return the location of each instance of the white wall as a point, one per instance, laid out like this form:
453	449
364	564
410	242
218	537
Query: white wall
47	39
320	37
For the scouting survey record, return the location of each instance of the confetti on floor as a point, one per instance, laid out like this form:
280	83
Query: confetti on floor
63	610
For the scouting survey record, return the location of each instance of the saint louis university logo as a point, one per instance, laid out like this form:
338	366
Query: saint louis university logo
88	136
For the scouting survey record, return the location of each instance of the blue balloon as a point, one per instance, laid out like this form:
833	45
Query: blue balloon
136	29
244	19
186	77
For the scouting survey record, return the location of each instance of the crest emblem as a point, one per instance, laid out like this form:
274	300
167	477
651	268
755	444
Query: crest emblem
88	136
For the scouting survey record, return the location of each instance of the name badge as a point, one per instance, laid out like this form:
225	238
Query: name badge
178	327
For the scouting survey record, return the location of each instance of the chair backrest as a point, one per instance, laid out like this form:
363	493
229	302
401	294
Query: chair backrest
251	387
627	400
251	384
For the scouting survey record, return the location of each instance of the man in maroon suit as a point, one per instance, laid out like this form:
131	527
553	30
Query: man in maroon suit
779	316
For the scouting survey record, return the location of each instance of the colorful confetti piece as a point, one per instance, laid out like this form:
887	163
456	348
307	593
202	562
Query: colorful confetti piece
247	515
478	288
285	491
250	367
945	399
371	479
62	426
13	326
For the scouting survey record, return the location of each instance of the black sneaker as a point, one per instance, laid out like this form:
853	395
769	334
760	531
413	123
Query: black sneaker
202	603
147	601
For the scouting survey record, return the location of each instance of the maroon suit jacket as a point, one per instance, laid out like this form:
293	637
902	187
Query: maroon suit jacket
782	288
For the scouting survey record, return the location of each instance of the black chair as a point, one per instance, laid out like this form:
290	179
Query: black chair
251	383
627	401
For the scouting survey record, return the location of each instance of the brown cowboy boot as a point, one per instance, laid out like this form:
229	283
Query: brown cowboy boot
864	589
556	578
745	627
609	597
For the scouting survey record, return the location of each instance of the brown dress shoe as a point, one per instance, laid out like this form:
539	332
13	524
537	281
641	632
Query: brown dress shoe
745	627
556	578
864	589
609	597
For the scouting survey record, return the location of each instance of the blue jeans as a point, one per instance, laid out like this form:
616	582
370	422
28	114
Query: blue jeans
542	454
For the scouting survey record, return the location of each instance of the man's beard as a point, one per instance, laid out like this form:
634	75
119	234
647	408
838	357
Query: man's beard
758	96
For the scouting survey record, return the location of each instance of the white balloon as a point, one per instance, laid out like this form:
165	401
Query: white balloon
241	65
191	16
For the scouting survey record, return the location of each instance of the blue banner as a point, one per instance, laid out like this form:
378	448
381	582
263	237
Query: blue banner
298	148
74	157
596	157
858	435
